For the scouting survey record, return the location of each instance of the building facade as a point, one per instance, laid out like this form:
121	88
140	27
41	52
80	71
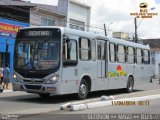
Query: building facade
155	49
78	15
13	16
68	13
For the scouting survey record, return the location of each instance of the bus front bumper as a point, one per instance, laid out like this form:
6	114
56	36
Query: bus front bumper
35	88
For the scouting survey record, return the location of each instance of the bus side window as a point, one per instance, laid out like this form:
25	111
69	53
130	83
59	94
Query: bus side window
146	57
112	52
84	49
121	53
126	53
131	55
70	53
135	59
139	56
93	50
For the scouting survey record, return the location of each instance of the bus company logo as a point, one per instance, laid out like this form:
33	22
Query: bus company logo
143	5
144	12
118	73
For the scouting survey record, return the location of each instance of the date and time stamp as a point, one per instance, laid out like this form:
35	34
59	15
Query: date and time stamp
131	103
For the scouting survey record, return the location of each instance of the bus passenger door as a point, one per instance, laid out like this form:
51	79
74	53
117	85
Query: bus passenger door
101	59
146	65
139	67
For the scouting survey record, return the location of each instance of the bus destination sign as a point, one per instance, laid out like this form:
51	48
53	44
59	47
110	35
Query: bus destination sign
38	33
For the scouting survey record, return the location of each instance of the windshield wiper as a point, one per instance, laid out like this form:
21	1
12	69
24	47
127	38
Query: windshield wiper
42	44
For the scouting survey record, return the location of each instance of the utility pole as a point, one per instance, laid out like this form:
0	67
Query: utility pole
105	30
135	22
6	55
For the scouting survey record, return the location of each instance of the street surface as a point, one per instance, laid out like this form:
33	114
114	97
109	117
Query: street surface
31	106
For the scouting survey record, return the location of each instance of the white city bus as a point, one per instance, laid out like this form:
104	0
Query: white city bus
58	60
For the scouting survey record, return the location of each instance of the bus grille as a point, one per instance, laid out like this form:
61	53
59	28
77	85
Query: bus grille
33	87
35	81
33	75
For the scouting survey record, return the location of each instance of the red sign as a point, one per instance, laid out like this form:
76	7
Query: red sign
9	28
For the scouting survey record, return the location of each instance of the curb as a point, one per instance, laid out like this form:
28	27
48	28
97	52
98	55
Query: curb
7	91
83	106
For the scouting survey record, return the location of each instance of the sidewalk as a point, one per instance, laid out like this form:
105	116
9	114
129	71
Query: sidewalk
9	86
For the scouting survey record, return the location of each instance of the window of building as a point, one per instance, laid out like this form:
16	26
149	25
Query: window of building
112	48
85	49
139	56
78	25
131	55
121	53
47	22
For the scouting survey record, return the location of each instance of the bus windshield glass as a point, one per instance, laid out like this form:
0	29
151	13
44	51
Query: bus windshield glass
37	53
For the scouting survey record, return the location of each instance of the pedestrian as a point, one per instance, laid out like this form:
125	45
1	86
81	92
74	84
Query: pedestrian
1	75
6	76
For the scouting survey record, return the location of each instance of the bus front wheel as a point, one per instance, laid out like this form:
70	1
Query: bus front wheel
83	89
130	85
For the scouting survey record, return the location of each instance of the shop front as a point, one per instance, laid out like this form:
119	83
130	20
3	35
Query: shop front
8	30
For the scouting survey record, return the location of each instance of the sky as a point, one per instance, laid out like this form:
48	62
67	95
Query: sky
115	14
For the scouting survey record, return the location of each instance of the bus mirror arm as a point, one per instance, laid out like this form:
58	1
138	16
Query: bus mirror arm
66	39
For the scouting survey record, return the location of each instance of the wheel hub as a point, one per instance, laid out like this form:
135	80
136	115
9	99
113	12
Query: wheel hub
82	89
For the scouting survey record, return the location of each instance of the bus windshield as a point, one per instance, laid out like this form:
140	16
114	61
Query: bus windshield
37	53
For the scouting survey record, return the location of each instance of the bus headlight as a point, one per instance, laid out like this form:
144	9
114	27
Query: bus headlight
52	79
16	78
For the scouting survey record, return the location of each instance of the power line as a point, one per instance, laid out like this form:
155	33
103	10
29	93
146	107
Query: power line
33	23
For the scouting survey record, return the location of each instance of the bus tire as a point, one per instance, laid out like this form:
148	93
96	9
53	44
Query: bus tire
83	90
44	95
151	79
130	85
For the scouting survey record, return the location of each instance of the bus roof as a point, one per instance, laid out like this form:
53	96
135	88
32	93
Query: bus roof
111	39
94	36
128	43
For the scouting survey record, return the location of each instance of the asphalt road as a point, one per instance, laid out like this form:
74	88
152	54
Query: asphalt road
25	104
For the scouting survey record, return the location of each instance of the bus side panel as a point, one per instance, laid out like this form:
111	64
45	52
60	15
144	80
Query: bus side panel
69	80
117	75
88	68
147	72
139	77
131	70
